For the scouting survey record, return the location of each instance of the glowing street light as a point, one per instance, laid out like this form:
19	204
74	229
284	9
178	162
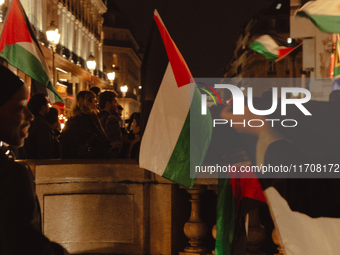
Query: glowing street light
111	77
53	37
123	89
91	65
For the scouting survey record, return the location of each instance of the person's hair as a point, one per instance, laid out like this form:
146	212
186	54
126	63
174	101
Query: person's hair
137	118
52	116
81	105
36	102
120	107
95	90
106	96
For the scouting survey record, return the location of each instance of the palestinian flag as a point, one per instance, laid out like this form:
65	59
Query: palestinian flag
301	233
238	192
266	46
165	146
325	14
20	48
237	196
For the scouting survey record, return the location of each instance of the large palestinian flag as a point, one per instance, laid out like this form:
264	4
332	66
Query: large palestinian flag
19	46
325	14
165	145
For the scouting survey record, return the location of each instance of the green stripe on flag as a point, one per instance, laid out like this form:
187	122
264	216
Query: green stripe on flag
259	48
225	219
192	144
31	66
326	23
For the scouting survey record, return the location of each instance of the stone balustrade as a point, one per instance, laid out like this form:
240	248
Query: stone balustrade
111	206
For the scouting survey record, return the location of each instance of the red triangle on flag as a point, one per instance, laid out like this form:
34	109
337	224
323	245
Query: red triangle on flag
15	18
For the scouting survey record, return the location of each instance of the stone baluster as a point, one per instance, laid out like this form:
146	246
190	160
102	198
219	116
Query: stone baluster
195	229
276	240
256	234
214	228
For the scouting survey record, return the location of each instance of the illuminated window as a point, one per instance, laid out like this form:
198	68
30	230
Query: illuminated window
114	61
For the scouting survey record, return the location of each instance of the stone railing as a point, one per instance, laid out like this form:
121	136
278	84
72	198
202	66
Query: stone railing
114	207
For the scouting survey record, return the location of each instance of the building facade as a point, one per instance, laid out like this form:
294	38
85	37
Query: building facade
122	56
316	54
310	62
80	25
247	63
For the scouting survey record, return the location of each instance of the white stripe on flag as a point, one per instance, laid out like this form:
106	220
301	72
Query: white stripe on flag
269	43
322	7
167	117
32	48
301	234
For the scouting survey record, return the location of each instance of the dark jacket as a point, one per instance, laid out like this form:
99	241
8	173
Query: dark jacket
84	137
40	143
111	127
20	226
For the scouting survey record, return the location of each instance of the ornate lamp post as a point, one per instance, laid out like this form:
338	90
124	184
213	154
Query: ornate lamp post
91	65
53	37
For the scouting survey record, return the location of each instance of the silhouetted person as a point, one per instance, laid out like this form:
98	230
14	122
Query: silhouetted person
133	152
96	91
83	135
108	109
119	112
53	120
20	226
39	143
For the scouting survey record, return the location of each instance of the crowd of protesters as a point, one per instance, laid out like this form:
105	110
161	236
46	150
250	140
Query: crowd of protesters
94	129
32	128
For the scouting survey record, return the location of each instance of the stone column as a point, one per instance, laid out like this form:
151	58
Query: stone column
256	234
214	228
84	49
59	19
100	55
80	42
39	14
195	229
71	35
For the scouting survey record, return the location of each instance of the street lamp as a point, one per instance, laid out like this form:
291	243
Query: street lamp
53	37
91	65
123	89
111	77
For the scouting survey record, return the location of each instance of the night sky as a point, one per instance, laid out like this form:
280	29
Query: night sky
204	30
